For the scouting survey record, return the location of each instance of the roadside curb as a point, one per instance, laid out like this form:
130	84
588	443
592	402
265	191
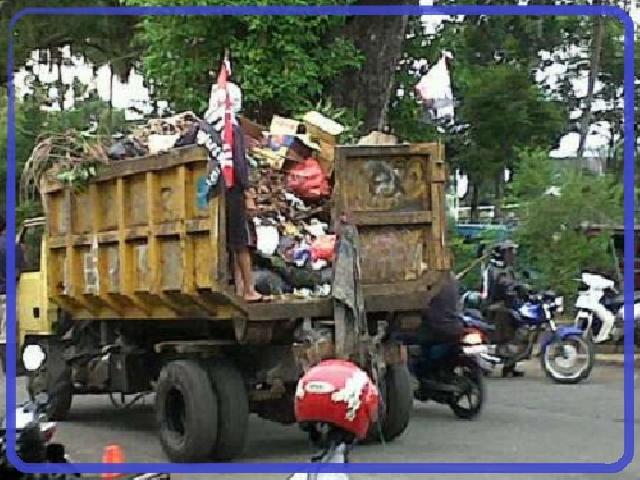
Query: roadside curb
615	360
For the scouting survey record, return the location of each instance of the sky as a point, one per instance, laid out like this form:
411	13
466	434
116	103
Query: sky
134	93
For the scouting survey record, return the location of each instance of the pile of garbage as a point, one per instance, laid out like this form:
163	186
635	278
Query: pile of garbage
294	244
289	198
69	157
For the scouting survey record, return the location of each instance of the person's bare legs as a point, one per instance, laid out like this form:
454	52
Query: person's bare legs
237	276
244	259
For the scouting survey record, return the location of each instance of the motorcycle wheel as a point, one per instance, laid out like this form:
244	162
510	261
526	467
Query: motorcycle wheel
467	405
565	368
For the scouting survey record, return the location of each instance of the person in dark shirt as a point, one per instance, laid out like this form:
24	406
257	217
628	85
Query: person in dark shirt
442	316
501	293
501	274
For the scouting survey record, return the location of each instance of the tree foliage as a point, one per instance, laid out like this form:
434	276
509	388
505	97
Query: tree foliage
32	122
100	39
284	64
550	231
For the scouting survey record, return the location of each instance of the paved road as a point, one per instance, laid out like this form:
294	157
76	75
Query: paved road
526	419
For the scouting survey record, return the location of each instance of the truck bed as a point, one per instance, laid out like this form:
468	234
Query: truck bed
139	244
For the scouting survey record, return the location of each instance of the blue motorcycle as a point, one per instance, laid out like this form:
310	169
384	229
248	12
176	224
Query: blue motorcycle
565	355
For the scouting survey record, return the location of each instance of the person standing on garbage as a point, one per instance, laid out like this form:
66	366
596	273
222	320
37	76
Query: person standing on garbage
224	104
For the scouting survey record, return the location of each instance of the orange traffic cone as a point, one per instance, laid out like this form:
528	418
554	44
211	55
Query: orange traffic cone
112	454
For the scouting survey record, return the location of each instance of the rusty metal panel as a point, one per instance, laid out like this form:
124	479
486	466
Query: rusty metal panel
142	280
136	200
392	194
391	254
168	196
107	202
57	215
395	183
113	268
81	211
202	256
171	255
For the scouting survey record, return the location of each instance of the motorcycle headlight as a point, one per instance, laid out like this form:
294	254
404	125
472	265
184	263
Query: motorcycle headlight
473	338
33	357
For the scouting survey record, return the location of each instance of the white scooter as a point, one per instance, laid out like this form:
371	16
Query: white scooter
600	309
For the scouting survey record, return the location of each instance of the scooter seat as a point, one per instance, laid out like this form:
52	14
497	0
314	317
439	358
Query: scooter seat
617	301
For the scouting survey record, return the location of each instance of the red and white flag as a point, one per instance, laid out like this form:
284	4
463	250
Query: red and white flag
227	135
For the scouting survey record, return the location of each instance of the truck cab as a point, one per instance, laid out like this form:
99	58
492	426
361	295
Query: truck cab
35	314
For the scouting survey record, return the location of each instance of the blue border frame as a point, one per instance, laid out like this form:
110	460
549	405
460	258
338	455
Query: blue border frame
288	468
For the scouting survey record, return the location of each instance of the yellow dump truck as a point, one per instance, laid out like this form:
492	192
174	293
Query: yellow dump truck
130	293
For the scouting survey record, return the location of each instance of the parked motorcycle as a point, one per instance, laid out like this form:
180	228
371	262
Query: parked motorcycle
565	355
600	310
33	442
451	374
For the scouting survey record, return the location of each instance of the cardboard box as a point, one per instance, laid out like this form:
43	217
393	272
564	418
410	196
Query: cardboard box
283	126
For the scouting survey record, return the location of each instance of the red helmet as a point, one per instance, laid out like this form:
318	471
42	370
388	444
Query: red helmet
338	393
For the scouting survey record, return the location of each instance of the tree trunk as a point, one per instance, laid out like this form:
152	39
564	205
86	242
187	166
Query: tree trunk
475	200
370	89
110	119
59	83
497	210
596	48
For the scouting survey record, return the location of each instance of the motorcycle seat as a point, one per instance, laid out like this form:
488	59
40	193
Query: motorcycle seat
617	301
473	313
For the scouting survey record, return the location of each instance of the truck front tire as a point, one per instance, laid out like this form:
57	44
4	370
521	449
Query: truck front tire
55	379
60	393
233	409
186	412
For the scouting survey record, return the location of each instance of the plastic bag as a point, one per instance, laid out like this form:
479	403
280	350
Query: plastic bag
308	181
323	248
268	239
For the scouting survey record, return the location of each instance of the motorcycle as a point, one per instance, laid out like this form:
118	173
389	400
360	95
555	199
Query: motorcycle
452	374
33	442
600	310
565	355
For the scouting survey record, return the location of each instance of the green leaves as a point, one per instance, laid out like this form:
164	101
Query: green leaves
550	232
282	64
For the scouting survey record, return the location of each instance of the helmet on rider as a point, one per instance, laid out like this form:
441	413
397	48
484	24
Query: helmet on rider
336	400
504	253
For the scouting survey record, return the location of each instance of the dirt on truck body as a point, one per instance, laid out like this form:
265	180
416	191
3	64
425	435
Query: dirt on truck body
138	299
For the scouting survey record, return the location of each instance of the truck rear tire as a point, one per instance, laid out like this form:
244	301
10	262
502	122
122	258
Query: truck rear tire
186	411
398	402
233	409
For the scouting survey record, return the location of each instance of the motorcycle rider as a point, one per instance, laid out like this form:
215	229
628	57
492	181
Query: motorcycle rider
501	287
442	315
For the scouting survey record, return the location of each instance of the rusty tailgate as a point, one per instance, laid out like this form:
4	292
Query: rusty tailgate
395	196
